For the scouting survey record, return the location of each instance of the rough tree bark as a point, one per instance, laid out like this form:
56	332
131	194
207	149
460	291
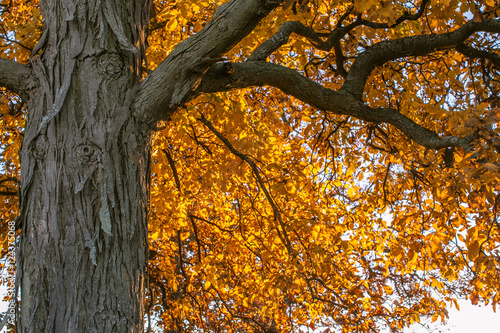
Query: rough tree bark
85	155
85	172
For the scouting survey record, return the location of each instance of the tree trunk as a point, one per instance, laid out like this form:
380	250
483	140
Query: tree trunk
85	172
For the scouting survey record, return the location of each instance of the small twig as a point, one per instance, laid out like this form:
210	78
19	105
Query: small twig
198	142
16	42
171	163
385	181
179	253
211	223
195	231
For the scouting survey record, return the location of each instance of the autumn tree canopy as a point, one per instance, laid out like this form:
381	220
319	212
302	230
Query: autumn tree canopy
330	165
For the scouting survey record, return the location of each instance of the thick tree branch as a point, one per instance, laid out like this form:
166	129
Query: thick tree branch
14	76
258	73
413	46
419	134
8	193
183	68
473	53
281	37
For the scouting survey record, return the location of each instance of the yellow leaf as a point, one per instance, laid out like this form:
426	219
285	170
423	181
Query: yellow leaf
207	284
172	24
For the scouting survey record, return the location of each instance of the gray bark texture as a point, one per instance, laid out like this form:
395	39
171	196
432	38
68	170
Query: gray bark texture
85	172
85	158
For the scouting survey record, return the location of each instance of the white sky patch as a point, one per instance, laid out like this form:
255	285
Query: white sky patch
470	319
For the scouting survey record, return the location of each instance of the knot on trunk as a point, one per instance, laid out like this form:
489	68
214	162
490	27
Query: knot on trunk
110	64
87	153
39	147
86	158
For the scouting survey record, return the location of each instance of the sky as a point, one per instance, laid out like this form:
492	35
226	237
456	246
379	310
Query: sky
470	319
474	319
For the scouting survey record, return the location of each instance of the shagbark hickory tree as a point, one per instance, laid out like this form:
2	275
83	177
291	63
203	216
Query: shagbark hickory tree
249	166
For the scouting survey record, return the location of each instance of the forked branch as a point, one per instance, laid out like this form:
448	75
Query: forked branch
259	73
407	16
333	41
412	46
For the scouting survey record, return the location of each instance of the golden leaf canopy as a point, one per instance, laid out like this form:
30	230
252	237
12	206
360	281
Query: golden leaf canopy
270	213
